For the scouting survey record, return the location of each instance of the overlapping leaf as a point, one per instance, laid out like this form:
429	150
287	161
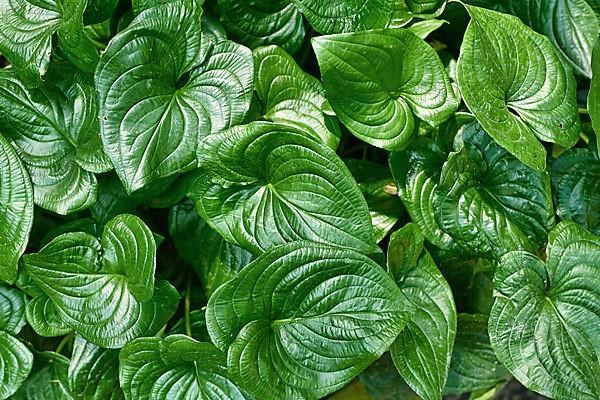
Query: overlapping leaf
381	82
303	313
176	367
48	380
594	95
105	290
544	322
265	184
159	95
405	10
517	86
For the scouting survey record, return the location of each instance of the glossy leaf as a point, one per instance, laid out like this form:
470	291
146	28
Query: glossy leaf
291	96
303	313
594	95
48	380
155	109
12	309
422	351
517	86
15	364
265	184
381	82
176	367
105	290
405	10
16	210
544	322
44	317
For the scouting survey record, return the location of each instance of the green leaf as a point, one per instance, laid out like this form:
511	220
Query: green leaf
48	380
289	95
424	28
155	109
594	95
176	367
98	11
265	184
104	290
382	382
422	351
15	364
16	210
197	326
570	25
544	322
474	365
12	309
479	200
576	184
29	27
55	131
94	372
303	313
517	86
380	82
405	10
44	318
214	260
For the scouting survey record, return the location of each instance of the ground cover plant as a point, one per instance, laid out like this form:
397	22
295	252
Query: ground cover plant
299	199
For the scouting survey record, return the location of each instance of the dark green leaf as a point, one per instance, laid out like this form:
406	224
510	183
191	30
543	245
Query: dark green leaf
197	326
12	309
48	380
15	364
382	382
594	95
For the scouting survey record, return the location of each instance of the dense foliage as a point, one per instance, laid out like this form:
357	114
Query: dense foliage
299	199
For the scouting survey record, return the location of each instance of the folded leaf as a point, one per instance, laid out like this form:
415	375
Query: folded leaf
176	367
291	96
154	109
12	309
48	380
304	313
16	210
44	318
55	131
422	351
105	290
15	364
544	322
29	27
379	82
265	184
517	86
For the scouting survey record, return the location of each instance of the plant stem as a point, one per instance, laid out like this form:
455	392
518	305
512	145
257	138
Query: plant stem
188	327
64	342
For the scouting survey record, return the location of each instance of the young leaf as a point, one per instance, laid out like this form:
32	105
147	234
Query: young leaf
544	322
48	380
517	86
422	351
379	82
155	108
291	96
265	184
303	313
12	309
111	280
15	364
29	27
94	372
176	367
56	133
594	95
576	184
16	210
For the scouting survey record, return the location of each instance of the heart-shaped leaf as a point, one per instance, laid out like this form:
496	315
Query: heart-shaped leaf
517	86
112	280
159	95
48	380
16	210
544	322
15	364
176	367
303	313
12	309
380	82
265	184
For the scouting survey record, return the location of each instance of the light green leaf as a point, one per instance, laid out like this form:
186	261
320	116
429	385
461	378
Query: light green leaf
422	351
474	365
424	28
289	95
576	184
544	322
517	86
214	260
94	372
15	364
156	108
12	309
379	82
405	10
594	95
104	290
303	313
570	25
176	367
44	318
16	210
29	27
265	184
48	380
56	134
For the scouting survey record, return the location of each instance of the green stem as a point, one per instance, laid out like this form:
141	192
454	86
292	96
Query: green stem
64	342
188	289
583	111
